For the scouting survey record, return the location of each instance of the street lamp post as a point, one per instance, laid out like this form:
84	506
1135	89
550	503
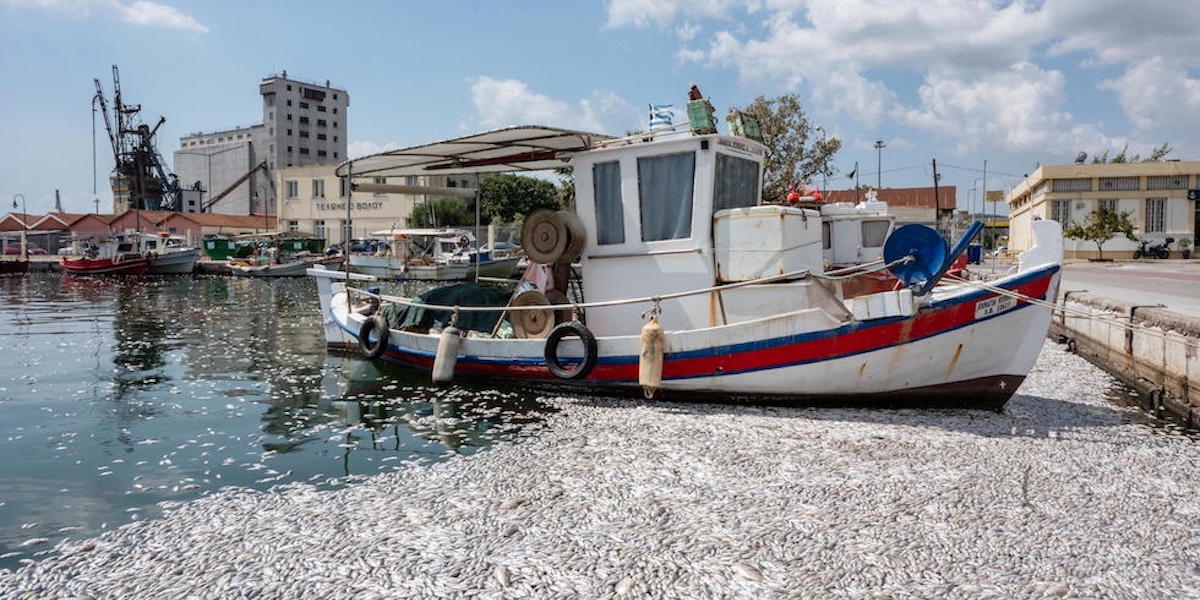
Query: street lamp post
879	146
24	224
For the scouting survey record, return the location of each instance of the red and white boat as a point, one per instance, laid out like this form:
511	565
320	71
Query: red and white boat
691	288
111	256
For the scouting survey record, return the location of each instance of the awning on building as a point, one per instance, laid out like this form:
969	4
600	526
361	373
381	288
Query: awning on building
519	148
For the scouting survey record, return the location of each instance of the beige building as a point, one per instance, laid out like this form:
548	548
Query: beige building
1155	194
313	200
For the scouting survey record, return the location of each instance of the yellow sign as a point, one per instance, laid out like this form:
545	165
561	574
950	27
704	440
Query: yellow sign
994	196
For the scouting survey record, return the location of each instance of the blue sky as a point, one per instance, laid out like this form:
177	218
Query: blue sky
1016	83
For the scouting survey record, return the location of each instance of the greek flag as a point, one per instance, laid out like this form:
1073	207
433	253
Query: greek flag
661	115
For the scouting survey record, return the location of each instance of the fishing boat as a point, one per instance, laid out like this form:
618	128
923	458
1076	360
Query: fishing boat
169	254
117	255
431	254
689	287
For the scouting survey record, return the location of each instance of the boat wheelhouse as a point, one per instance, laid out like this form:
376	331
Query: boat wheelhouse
430	254
689	285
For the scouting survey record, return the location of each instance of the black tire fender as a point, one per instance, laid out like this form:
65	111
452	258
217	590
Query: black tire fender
578	330
373	324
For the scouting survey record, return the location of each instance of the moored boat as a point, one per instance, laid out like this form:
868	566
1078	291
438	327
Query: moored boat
112	256
431	255
169	254
693	289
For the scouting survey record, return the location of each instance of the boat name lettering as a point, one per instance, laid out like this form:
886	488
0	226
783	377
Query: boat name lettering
356	206
991	306
737	146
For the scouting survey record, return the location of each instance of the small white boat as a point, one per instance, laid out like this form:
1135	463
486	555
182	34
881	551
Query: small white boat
169	254
431	254
692	289
292	267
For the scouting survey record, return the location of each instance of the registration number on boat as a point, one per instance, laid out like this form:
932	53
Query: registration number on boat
991	306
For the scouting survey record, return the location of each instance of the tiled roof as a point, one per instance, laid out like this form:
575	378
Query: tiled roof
266	221
921	197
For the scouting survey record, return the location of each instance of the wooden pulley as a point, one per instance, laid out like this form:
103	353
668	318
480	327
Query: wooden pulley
531	324
576	236
561	315
544	236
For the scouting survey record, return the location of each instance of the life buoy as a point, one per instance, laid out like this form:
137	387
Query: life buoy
556	367
375	324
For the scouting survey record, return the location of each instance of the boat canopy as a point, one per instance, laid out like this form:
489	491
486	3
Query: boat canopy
518	148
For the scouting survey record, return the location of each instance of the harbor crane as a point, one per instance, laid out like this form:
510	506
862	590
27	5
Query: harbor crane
139	179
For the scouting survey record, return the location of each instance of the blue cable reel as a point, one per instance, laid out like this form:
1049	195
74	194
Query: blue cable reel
927	249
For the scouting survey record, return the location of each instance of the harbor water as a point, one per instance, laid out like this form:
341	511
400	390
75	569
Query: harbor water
118	394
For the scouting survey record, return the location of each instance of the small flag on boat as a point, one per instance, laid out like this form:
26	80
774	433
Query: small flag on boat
661	115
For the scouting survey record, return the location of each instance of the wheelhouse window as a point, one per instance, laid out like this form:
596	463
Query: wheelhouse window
610	218
874	233
736	184
665	186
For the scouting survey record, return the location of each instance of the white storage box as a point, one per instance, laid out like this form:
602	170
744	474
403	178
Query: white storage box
761	241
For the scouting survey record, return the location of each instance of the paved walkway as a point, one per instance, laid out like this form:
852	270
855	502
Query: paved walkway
1174	283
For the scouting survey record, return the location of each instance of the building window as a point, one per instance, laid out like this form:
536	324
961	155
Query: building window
1156	215
665	189
320	136
1072	185
1060	210
321	122
319	229
335	96
289	102
270	99
289	150
289	132
1167	182
304	151
335	138
303	133
303	105
320	153
335	110
271	131
381	180
410	180
293	225
1122	184
293	188
271	115
303	120
289	116
343	186
272	148
335	154
610	213
289	88
1109	204
320	108
318	187
335	124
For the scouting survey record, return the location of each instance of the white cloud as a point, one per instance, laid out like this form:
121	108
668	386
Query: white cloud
359	148
141	12
1019	109
640	13
504	102
687	31
1161	100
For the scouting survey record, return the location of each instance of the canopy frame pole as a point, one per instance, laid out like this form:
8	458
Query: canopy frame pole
477	255
346	227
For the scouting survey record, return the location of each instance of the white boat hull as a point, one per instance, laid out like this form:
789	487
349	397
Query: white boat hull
178	262
295	268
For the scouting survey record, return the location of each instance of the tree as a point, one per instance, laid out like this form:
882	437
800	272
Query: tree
1159	153
1101	225
791	154
566	187
506	197
441	212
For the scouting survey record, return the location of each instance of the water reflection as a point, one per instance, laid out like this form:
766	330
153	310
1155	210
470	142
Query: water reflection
130	392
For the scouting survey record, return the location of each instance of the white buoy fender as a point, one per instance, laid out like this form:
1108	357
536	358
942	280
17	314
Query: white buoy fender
650	364
447	355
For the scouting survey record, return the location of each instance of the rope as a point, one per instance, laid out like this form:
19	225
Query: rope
801	274
1082	314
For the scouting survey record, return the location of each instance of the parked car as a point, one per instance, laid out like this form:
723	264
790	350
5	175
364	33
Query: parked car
15	248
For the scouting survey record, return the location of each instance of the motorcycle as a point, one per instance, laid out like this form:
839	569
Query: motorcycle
1146	250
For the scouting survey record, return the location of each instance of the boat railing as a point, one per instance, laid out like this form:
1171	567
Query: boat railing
836	275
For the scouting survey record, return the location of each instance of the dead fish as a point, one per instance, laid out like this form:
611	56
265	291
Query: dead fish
748	571
501	575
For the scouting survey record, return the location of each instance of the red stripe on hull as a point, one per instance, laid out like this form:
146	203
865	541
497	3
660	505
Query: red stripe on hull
105	266
863	338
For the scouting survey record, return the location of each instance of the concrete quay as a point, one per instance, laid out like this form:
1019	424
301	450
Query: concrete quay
49	263
1064	495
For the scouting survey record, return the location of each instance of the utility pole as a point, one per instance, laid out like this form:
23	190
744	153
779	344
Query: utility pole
879	146
937	202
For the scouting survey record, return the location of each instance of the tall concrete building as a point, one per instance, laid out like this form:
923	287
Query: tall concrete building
303	123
